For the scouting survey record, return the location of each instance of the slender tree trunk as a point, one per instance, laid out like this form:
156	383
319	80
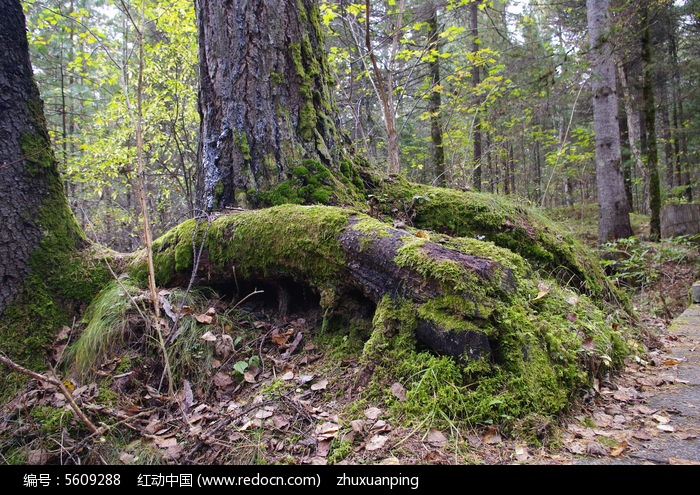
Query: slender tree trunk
633	123
613	210
476	81
385	86
435	100
626	161
649	133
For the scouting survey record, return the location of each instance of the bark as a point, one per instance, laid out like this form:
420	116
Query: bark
29	180
649	131
476	80
613	209
265	96
435	101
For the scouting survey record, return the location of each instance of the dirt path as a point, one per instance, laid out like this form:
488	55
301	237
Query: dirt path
653	415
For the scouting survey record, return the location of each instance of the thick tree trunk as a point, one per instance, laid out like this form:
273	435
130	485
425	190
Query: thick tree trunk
613	210
265	97
41	271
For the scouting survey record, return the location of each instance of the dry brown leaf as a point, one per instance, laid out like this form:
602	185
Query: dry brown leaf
323	447
264	413
380	426
316	461
326	430
576	448
376	442
436	438
289	375
222	379
280	422
661	419
685	436
492	436
210	312
319	385
373	413
251	373
390	461
174	452
398	391
204	318
357	425
671	362
666	428
642	435
281	338
618	449
164	442
126	458
208	336
38	456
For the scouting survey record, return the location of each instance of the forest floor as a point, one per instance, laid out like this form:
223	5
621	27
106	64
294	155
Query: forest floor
295	400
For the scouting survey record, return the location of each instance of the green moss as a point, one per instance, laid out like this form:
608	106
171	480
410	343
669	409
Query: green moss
276	78
241	142
262	242
339	450
51	419
309	183
520	229
63	275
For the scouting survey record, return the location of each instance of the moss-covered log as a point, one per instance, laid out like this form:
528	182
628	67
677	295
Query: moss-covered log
462	297
513	226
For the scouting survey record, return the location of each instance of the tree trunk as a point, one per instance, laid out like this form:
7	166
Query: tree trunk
40	268
649	131
476	80
613	210
265	97
435	100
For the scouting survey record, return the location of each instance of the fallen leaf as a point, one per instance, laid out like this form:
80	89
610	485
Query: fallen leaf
280	422
320	385
595	448
289	375
316	461
398	391
251	373
685	436
642	409
204	318
576	448
380	426
666	428
390	461
642	435
173	452
305	378
373	413
189	397
281	338
541	295
210	312
521	453
436	438
661	419
323	447
38	456
222	379
618	449
376	442
164	443
264	413
671	362
293	346
126	458
326	430
357	425
492	436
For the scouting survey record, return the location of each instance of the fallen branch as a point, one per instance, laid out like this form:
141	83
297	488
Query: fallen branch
53	381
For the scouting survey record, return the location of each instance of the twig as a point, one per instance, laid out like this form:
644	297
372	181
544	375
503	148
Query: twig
53	381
